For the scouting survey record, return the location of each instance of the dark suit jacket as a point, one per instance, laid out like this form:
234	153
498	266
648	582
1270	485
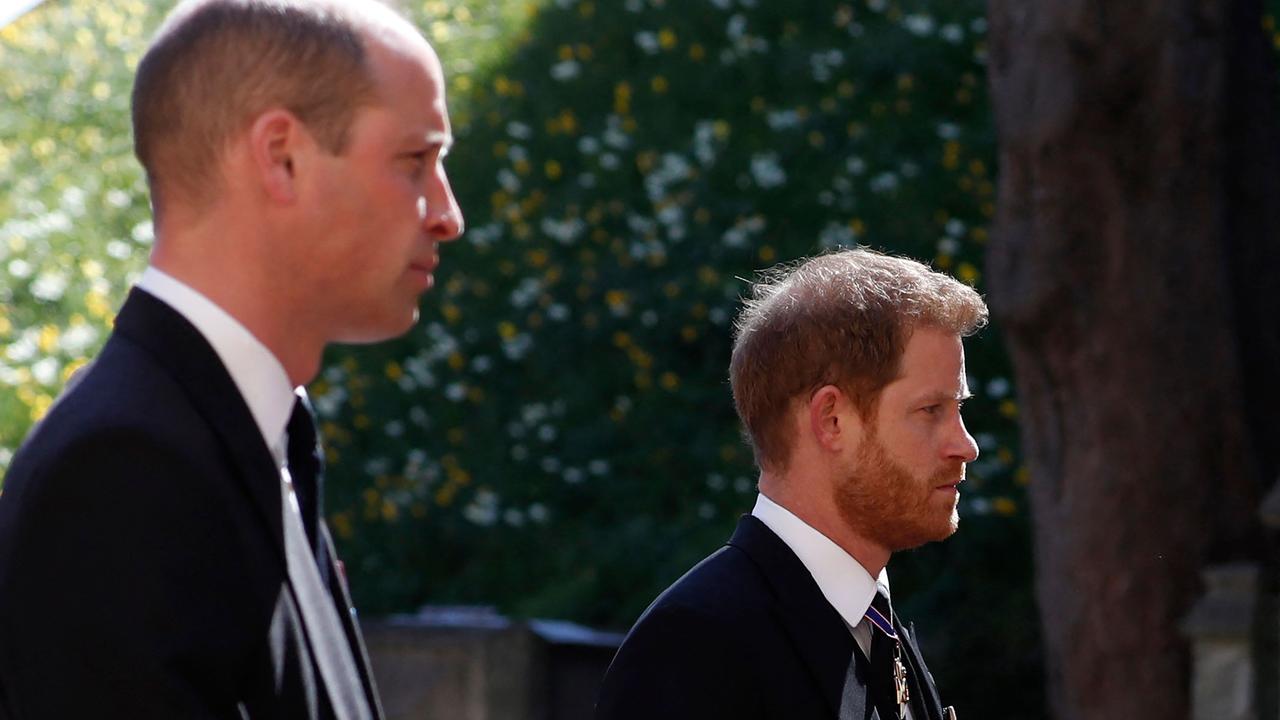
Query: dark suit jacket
142	566
744	634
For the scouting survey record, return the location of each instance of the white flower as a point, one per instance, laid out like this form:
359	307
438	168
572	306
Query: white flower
563	231
648	42
573	475
952	33
706	511
483	508
117	198
742	484
588	145
766	171
565	70
45	371
455	391
855	165
782	119
837	234
539	513
119	250
736	27
884	182
948	130
948	246
513	517
598	467
144	233
955	227
20	268
998	387
78	338
49	286
394	429
508	180
920	25
23	349
519	130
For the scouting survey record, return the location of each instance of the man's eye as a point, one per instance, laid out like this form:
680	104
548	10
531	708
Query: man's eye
931	409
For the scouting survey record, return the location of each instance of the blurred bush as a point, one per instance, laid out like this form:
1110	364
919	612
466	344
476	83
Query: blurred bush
557	436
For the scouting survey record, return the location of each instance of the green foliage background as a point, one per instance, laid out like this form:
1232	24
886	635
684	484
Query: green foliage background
557	436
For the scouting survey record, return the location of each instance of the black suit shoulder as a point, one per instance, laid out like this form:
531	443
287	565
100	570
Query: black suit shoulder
690	653
118	524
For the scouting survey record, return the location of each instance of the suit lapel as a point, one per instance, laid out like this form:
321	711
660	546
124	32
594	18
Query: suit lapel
177	346
817	632
923	680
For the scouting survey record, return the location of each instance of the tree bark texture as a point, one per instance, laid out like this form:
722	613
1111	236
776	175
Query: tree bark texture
1133	269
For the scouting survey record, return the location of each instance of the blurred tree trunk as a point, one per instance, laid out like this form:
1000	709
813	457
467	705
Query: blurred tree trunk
1135	270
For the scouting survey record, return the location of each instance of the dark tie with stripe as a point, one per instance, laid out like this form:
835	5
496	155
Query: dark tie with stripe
886	660
330	649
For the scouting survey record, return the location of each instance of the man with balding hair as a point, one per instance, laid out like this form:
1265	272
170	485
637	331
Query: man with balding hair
163	549
848	374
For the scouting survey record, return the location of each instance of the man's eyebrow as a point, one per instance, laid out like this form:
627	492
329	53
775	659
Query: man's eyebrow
440	138
940	397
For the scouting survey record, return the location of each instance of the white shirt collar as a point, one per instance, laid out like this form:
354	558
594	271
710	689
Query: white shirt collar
257	374
842	579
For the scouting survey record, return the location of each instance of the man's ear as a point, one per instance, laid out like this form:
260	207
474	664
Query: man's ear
275	139
833	420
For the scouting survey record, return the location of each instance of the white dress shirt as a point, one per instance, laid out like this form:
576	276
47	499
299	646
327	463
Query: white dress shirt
842	579
264	385
256	372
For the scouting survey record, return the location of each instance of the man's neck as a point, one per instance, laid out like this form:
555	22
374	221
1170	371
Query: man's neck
815	507
243	292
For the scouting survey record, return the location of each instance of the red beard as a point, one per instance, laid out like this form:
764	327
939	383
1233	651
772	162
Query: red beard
886	504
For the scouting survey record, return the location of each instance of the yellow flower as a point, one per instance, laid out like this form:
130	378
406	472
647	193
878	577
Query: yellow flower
1009	409
552	169
47	341
666	38
393	371
622	98
1004	506
506	330
658	84
341	524
697	53
669	381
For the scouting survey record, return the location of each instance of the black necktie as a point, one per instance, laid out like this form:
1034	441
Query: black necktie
884	649
330	648
306	465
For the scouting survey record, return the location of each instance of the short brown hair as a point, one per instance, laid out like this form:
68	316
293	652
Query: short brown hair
838	319
215	64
